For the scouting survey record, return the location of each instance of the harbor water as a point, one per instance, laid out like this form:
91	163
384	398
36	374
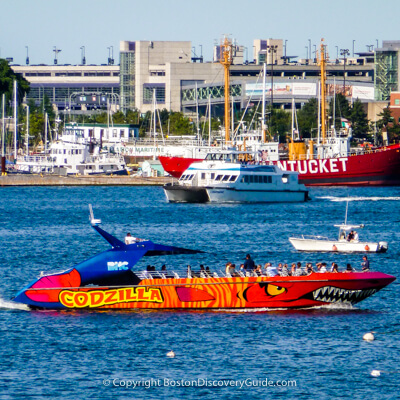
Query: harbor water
299	354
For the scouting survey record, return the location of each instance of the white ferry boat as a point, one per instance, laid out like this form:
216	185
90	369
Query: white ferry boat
235	176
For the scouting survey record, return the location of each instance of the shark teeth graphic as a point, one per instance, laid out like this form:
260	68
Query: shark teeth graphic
331	294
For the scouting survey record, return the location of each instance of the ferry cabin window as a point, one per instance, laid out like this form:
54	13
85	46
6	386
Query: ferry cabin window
218	178
203	175
225	178
233	178
212	175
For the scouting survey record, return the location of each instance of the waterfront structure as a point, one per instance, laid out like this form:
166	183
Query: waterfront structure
387	69
76	87
173	77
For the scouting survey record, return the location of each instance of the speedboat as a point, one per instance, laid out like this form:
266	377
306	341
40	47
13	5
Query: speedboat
109	280
344	243
237	177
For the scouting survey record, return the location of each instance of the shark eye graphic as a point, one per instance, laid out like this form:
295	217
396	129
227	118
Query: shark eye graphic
274	290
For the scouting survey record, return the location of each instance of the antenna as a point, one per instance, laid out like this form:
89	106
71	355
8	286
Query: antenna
347	206
92	220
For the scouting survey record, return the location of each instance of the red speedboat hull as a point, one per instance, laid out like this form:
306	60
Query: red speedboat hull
212	293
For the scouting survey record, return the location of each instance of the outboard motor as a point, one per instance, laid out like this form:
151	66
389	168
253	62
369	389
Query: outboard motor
382	247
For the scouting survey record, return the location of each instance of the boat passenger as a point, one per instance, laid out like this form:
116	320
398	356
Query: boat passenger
129	239
271	270
249	264
228	268
279	268
208	273
258	270
335	268
304	270
350	236
322	268
284	271
349	268
343	235
293	269
310	269
365	264
164	268
355	238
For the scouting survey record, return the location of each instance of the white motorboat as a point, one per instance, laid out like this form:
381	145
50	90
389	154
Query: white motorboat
344	243
72	154
235	176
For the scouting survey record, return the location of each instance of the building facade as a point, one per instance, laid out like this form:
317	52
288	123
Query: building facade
387	69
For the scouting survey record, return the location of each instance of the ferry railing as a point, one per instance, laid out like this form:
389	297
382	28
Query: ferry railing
220	274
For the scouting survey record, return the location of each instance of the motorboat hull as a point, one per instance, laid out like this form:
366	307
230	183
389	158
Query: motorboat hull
232	195
214	293
185	194
341	246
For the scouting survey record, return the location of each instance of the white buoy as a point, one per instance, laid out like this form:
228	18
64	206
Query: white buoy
376	373
369	337
171	354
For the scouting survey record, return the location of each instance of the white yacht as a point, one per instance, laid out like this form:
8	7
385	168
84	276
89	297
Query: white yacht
72	154
235	176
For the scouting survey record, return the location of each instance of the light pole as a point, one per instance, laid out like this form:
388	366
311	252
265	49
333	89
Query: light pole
353	46
315	53
377	43
344	53
83	55
337	53
285	59
56	51
27	56
271	50
309	43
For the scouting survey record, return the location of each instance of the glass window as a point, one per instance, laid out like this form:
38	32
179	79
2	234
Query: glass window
203	175
212	175
225	178
397	102
233	178
218	178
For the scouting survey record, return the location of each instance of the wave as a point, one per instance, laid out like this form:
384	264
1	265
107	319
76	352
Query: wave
10	305
332	306
359	198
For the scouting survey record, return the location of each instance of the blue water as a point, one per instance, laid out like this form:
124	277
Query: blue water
76	355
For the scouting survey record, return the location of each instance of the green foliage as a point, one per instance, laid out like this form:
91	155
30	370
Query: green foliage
359	121
307	119
387	122
280	124
7	77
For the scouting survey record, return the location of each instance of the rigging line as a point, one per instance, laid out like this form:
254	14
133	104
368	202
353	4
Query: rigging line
247	106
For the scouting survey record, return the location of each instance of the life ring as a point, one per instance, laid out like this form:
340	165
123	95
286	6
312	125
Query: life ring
334	248
366	247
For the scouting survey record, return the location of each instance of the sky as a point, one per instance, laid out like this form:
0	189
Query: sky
39	26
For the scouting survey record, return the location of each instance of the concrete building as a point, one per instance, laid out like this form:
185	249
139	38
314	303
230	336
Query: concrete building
160	69
72	86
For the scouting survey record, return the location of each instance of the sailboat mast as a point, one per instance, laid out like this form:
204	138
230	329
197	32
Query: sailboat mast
15	120
323	91
3	157
226	61
264	133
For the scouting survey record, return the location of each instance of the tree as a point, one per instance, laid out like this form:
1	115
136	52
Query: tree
280	124
359	121
307	118
7	78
